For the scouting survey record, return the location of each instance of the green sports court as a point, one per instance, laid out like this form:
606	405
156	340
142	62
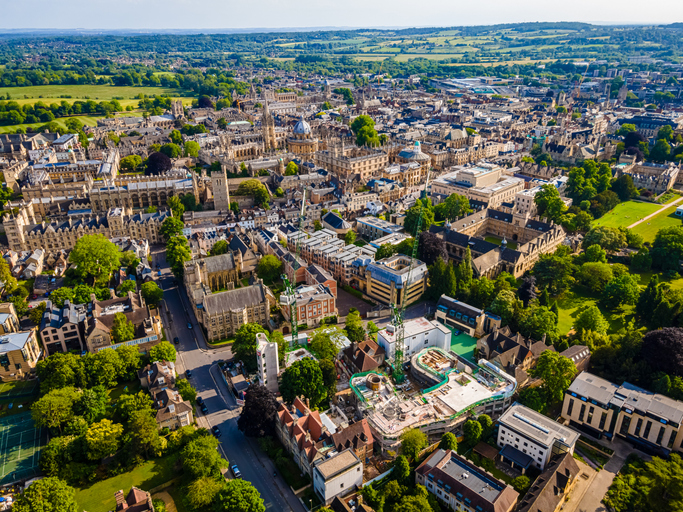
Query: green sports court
20	444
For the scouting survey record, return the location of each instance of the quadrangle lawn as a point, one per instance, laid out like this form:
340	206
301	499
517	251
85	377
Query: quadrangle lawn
666	218
626	214
99	497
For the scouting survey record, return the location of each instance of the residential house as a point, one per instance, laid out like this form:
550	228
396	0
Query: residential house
550	491
19	353
136	501
61	329
364	356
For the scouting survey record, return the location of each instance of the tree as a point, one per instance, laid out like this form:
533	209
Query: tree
144	432
350	237
538	321
92	404
329	371
257	418
102	439
201	457
55	409
253	188
452	207
130	163
305	378
661	151
430	247
554	271
325	343
95	258
191	149
61	295
521	484
131	360
172	226
621	290
608	238
123	329
171	150
595	276
239	496
6	277
177	208
667	249
623	186
220	247
354	326
413	442
472	431
158	163
591	319
486	424
176	137
244	347
103	367
363	127
663	350
527	291
61	370
50	494
413	214
177	253
506	305
549	203
163	351
152	293
202	492
557	373
533	399
129	260
317	226
20	305
401	469
292	169
129	404
384	251
448	442
187	392
36	314
269	268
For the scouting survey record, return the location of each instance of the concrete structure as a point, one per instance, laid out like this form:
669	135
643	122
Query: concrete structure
19	353
337	475
418	335
267	362
463	317
372	228
648	420
397	279
460	485
525	432
484	182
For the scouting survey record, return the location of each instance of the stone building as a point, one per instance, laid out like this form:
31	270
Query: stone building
19	353
61	329
138	192
301	142
345	163
214	272
220	190
268	128
24	233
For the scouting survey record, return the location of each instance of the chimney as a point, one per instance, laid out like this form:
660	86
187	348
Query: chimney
121	503
308	402
354	347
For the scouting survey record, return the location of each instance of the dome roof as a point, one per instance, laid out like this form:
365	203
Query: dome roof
302	127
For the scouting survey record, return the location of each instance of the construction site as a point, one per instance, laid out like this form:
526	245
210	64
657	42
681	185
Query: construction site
443	389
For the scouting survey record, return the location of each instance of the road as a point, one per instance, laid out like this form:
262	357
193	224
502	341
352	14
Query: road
193	354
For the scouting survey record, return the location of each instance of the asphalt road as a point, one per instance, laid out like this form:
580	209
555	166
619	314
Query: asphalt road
193	354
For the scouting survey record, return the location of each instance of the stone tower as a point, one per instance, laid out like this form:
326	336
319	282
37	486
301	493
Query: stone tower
219	187
177	110
268	126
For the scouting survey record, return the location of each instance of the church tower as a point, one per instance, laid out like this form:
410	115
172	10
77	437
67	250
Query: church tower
219	187
268	127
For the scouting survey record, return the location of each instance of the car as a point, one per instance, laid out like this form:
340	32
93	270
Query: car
176	340
188	373
236	471
159	273
204	409
216	431
200	400
34	297
189	325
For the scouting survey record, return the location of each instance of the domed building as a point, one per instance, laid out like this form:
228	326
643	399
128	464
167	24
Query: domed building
301	141
415	155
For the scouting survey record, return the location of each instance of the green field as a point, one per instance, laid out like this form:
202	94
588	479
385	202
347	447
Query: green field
55	93
626	214
99	497
574	301
665	219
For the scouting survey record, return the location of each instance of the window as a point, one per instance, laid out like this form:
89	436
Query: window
660	436
582	412
603	419
638	426
672	437
646	434
570	407
590	414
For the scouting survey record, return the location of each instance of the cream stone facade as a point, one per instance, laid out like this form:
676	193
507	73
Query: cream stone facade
345	163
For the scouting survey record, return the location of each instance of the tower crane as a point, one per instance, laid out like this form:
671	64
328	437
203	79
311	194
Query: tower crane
398	310
288	298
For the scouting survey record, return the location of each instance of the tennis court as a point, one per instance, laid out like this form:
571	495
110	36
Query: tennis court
18	387
20	444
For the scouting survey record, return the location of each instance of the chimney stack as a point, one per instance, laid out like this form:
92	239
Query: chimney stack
121	503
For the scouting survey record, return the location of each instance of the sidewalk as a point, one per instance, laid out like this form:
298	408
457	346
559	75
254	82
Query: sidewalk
664	207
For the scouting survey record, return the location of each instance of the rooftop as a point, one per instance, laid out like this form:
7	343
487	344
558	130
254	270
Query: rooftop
538	427
337	464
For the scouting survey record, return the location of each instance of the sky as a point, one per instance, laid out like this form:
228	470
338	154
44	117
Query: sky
227	14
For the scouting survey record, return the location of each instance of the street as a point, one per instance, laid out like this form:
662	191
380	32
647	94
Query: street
193	354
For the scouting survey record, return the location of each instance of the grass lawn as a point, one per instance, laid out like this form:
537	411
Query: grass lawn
572	303
99	497
56	93
626	214
664	219
116	392
227	341
18	387
86	120
178	498
497	240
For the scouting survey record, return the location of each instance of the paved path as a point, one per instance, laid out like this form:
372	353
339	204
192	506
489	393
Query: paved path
223	411
648	217
167	499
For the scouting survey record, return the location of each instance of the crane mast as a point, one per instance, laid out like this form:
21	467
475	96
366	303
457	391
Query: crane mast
289	297
398	311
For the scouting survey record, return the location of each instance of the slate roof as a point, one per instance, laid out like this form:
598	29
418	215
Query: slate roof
56	318
249	296
548	490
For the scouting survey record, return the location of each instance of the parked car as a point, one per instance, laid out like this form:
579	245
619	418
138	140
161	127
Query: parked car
235	471
188	373
176	340
189	325
204	409
200	400
216	431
